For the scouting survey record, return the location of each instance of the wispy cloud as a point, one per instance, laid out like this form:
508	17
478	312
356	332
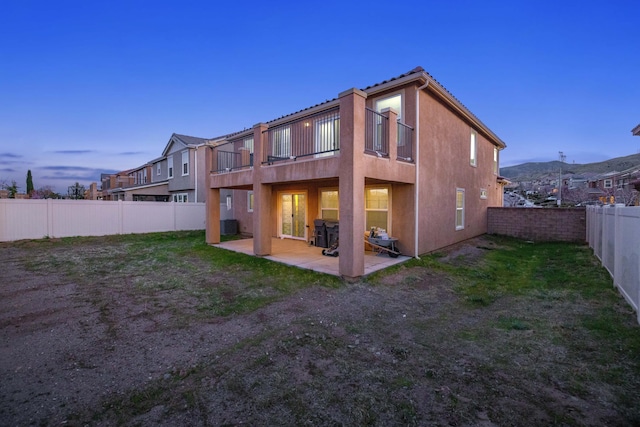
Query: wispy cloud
69	168
7	170
130	153
73	173
74	151
11	155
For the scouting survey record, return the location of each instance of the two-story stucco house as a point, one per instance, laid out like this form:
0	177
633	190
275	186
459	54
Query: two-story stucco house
403	155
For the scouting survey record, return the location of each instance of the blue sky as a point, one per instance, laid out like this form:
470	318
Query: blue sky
90	87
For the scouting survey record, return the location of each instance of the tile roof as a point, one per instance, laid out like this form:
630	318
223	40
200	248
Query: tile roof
190	140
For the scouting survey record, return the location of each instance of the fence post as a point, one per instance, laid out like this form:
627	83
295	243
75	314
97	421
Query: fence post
120	217
49	208
617	256
175	222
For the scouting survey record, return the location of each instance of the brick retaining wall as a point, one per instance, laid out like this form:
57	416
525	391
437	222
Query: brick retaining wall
546	224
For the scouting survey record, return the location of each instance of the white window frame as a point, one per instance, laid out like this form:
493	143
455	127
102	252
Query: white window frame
170	167
159	169
607	183
473	149
495	161
459	210
229	202
250	201
185	163
180	197
483	193
387	210
322	209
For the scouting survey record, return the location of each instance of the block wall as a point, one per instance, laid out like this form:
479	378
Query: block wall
548	224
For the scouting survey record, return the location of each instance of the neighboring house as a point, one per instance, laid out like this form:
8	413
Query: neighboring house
403	155
183	165
92	193
616	187
636	131
113	184
178	176
143	187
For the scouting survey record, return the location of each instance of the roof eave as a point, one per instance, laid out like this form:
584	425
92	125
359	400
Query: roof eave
457	106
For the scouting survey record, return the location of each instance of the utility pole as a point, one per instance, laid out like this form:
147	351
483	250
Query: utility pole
562	159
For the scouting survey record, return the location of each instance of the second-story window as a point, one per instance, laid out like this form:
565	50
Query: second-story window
170	167
248	144
185	163
608	183
495	161
394	101
327	136
473	149
159	168
281	142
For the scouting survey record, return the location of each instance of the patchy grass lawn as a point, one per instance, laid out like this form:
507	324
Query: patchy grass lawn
162	329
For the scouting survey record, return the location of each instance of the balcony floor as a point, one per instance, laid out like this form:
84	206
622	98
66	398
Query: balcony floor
302	255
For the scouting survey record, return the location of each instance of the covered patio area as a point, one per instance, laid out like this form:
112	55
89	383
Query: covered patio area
300	254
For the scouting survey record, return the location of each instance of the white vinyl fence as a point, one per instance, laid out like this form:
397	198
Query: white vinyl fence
37	219
613	233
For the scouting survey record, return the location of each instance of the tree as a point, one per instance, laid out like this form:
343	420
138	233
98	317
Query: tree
29	183
13	189
76	191
45	192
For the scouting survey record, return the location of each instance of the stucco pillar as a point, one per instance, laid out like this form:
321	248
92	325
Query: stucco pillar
212	204
261	196
351	187
392	132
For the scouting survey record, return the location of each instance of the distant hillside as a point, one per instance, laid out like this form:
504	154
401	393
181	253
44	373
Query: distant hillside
528	171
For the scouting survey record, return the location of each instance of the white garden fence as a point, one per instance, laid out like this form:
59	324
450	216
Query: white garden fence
36	219
613	233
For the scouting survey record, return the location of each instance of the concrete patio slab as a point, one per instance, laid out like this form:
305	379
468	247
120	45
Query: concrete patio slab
300	254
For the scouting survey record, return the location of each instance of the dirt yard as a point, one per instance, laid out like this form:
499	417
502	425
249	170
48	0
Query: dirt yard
399	349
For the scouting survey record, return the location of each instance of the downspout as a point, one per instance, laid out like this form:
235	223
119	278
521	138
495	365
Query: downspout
195	177
417	160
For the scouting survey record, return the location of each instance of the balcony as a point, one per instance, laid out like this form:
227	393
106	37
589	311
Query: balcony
313	137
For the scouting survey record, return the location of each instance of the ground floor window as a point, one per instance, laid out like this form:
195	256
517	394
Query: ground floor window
250	201
329	207
376	206
459	208
180	198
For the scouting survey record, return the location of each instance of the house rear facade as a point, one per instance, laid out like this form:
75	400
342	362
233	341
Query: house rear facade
403	155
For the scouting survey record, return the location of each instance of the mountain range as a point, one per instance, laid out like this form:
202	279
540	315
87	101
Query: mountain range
535	170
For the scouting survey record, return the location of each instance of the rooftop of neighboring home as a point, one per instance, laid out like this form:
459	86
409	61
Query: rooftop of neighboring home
636	130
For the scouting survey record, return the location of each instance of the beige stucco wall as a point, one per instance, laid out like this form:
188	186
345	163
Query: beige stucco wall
444	167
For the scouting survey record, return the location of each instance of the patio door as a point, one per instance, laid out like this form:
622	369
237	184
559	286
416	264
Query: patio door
293	215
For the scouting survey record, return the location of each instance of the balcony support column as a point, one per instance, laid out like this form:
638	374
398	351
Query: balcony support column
212	204
262	221
351	186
